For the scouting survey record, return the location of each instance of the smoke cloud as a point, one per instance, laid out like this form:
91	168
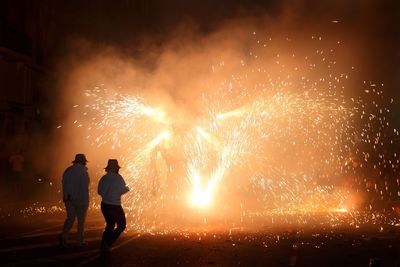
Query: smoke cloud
294	49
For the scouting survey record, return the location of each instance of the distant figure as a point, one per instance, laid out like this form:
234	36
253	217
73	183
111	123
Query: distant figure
75	184
16	162
111	187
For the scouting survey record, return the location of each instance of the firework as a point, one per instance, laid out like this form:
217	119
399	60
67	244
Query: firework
260	145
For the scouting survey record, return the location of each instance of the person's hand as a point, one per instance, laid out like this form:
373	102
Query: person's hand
126	189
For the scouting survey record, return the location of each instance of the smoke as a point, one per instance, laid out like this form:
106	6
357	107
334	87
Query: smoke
296	49
184	68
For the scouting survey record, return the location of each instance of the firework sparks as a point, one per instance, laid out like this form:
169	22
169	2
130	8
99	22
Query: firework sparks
258	139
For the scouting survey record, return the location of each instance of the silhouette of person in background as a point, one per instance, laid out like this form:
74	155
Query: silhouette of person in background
111	187
75	184
16	162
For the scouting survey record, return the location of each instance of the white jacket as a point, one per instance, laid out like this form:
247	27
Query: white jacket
111	187
75	184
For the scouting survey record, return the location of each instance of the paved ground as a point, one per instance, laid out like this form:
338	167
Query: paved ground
32	240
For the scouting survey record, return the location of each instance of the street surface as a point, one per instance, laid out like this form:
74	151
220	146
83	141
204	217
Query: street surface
31	240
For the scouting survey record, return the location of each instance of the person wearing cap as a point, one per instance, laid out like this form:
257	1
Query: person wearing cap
111	187
75	186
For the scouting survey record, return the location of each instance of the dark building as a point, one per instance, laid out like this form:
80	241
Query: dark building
33	35
20	75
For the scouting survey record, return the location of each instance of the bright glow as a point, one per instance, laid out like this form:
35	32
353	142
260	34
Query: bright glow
155	114
341	210
233	113
202	195
164	135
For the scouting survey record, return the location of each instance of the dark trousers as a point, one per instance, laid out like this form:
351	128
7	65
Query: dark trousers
114	214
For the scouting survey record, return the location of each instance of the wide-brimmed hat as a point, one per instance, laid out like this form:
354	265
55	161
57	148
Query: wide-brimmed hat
80	158
112	165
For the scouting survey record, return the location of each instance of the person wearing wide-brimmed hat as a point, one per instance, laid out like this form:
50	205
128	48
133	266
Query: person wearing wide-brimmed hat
111	187
75	184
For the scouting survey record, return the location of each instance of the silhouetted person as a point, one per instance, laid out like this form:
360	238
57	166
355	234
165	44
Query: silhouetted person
111	187
16	162
75	184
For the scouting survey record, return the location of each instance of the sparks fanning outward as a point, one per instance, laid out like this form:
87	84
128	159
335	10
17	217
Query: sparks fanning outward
275	144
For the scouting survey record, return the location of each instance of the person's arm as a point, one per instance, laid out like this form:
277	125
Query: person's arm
124	187
66	187
100	188
87	187
87	179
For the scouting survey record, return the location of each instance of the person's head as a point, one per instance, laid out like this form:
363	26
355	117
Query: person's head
112	166
80	159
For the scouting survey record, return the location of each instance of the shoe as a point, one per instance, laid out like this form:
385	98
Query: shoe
62	242
104	248
82	244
